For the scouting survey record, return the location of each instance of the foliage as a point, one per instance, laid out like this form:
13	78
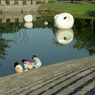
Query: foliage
10	27
39	2
73	8
7	1
40	22
3	46
24	2
85	35
50	1
0	11
4	29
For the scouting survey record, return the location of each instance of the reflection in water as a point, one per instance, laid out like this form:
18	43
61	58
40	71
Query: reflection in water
0	64
28	24
19	35
64	36
3	45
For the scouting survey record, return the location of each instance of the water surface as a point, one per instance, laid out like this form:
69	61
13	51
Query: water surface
18	42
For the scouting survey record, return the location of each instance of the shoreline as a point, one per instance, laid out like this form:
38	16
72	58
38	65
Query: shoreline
74	72
50	65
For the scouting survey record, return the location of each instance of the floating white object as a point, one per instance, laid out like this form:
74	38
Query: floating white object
63	21
46	22
28	18
64	36
28	24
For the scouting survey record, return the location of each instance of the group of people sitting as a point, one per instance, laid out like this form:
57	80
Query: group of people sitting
27	64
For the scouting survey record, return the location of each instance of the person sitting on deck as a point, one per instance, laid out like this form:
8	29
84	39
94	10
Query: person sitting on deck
18	67
37	61
27	64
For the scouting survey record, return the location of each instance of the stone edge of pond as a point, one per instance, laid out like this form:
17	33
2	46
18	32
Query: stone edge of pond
52	66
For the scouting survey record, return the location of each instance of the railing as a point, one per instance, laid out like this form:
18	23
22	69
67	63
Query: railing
20	5
21	2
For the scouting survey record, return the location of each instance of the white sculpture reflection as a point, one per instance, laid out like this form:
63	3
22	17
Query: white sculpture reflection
63	21
28	18
64	36
28	24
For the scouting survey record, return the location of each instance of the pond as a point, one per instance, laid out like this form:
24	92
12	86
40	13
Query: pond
17	42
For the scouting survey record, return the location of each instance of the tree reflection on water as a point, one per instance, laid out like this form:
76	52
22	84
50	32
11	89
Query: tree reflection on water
84	33
84	30
3	46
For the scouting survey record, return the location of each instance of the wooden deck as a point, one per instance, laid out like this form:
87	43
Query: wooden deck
75	77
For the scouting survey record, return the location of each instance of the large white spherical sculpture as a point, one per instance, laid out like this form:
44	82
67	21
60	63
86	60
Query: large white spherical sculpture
63	21
64	36
28	18
28	24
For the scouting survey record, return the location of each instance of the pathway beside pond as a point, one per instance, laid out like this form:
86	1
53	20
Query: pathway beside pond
67	78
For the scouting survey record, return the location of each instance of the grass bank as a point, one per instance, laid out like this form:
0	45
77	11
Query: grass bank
78	9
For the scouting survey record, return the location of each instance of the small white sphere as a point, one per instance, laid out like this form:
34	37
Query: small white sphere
63	21
28	24
46	22
28	18
64	36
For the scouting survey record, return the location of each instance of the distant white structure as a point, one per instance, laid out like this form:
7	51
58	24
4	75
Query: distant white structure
28	24
63	21
28	18
64	36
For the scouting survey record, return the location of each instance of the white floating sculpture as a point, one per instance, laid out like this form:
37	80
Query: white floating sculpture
63	21
28	18
64	36
28	24
46	22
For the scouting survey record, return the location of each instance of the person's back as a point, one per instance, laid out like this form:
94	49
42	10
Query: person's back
18	67
27	64
37	61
